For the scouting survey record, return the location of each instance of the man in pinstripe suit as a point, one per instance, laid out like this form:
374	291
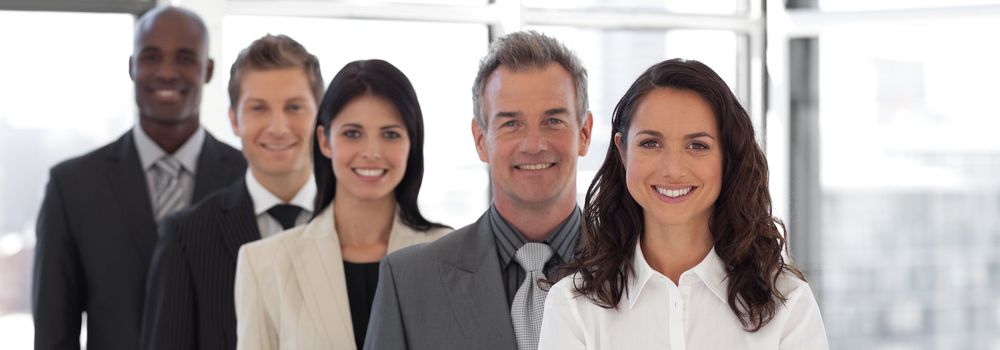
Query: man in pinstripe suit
274	88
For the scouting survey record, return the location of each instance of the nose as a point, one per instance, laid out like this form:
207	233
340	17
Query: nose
372	150
167	70
673	164
279	123
534	142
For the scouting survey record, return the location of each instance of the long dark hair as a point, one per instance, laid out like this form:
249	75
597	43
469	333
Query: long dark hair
380	78
747	238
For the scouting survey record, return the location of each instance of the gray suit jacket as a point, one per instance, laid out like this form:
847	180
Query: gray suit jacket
443	295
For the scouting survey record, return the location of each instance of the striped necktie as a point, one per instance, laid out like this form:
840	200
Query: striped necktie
169	193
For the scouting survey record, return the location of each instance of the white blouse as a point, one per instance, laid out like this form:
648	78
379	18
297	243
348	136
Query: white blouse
657	314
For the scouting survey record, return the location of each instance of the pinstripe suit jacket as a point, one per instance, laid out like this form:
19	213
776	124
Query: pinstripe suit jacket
189	302
290	288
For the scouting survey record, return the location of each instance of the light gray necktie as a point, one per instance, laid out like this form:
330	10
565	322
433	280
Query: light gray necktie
169	193
526	312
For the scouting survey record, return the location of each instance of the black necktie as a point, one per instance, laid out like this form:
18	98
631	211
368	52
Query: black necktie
285	214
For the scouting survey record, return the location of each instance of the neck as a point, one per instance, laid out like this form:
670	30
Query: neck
535	222
285	187
169	136
363	222
672	249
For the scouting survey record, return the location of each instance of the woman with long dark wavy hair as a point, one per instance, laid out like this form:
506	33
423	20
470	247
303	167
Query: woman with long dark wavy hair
312	287
680	249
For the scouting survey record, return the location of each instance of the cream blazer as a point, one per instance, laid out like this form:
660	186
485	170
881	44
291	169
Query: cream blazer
290	290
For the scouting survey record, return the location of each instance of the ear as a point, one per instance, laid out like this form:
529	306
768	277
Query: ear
585	133
131	72
480	138
209	70
324	142
618	145
233	122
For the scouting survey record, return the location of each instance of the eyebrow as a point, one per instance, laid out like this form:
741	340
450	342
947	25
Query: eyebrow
554	111
359	126
252	98
690	136
697	135
506	115
548	112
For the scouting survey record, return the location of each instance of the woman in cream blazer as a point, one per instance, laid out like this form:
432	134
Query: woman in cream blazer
311	287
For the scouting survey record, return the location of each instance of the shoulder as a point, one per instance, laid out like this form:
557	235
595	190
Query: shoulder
87	162
799	299
194	219
276	245
440	244
221	147
566	288
792	287
564	299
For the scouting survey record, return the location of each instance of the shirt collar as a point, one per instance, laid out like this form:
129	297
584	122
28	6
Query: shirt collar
150	152
263	199
710	271
562	240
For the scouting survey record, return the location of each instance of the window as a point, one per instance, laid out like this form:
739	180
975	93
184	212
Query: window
66	94
901	199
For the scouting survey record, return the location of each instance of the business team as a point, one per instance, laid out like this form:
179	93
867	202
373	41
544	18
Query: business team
675	247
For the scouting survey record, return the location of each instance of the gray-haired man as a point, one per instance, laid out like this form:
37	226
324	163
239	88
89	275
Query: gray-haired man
473	288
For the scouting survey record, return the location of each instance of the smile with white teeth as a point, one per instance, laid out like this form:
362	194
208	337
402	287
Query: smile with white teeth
166	93
536	166
369	172
673	193
276	147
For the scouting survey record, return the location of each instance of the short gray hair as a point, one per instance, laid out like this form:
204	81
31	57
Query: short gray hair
525	50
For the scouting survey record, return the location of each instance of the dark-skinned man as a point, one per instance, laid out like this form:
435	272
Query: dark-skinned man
97	226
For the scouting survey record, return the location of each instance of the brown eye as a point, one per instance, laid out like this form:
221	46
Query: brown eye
391	135
698	146
649	144
352	134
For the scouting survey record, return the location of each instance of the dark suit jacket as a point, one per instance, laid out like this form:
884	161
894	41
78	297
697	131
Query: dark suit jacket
447	294
189	300
95	238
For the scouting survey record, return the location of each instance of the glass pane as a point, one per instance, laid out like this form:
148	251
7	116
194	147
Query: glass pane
433	2
614	58
714	7
864	5
66	94
909	202
441	61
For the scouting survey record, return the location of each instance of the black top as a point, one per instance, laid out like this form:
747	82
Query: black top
361	282
563	241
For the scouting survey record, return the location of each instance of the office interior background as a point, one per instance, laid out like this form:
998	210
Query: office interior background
877	116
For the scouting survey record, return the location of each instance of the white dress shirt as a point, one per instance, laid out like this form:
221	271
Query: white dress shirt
187	154
263	200
657	314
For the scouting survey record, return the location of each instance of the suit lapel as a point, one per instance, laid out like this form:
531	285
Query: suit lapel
128	183
319	269
237	222
214	167
473	282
